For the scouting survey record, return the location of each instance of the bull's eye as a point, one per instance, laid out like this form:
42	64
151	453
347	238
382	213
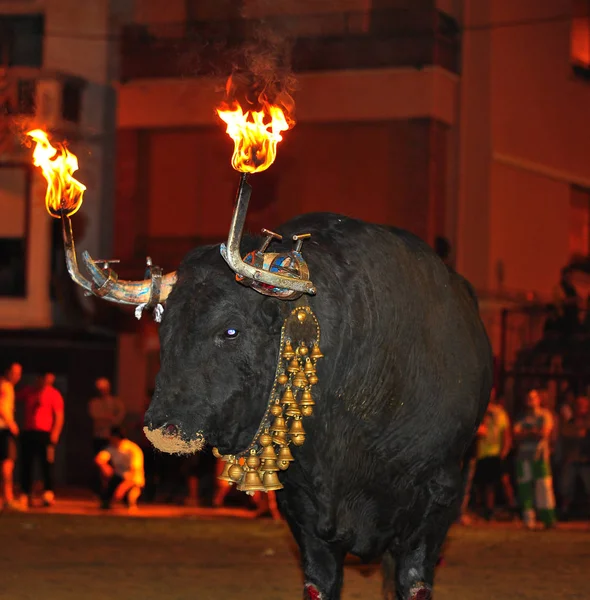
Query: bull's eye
230	334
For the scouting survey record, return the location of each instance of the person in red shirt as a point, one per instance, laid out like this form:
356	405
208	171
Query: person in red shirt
44	418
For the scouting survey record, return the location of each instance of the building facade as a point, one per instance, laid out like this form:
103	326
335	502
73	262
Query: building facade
466	119
57	66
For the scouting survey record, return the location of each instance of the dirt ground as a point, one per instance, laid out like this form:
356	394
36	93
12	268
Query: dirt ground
67	557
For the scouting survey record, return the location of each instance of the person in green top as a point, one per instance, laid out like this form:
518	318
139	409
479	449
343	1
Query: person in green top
535	484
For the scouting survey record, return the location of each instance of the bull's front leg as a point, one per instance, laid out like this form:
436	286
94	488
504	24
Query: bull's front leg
323	568
322	562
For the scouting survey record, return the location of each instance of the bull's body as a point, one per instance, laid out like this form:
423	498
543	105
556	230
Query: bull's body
404	383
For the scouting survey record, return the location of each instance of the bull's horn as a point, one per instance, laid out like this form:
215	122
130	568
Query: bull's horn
231	251
107	285
104	282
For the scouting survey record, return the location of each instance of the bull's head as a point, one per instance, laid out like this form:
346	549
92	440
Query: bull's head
215	340
219	342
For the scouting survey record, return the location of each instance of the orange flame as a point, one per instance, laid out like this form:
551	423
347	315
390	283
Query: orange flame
255	135
64	193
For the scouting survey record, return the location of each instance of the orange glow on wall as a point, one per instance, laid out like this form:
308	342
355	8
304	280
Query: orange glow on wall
579	222
580	38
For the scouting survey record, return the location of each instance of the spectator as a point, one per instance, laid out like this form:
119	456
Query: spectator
44	418
106	411
121	464
493	446
535	486
199	472
8	433
443	249
575	438
567	303
150	458
566	410
468	469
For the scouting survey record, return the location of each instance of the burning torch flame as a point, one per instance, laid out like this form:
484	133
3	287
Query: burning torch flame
255	135
64	193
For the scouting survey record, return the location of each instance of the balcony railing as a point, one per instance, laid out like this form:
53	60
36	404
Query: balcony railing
336	41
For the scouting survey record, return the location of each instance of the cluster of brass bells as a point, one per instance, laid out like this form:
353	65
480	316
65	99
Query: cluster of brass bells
290	401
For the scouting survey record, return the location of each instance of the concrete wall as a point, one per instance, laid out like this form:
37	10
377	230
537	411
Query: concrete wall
525	127
366	95
379	171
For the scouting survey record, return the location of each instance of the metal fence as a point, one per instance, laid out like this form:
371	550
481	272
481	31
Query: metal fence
535	355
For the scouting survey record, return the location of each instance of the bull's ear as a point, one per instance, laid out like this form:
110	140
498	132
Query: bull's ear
270	315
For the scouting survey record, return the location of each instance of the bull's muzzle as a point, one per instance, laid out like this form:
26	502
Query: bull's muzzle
171	438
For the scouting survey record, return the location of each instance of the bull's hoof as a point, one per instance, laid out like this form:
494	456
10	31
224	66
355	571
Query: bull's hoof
311	592
421	593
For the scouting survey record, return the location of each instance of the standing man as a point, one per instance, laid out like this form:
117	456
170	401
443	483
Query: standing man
121	465
106	411
8	432
493	446
44	419
535	483
575	437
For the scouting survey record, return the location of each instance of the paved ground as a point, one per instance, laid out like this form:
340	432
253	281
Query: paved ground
180	554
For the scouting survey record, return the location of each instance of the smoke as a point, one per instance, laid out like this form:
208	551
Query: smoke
261	66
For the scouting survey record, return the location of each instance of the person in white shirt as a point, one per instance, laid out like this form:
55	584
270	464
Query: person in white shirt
8	433
121	464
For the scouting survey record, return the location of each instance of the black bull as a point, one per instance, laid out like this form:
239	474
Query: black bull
404	383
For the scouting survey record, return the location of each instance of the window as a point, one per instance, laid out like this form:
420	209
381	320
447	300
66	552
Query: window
21	40
579	225
580	37
26	96
14	194
71	101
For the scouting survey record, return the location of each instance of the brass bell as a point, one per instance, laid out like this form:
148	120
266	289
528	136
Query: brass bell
293	410
225	473
268	454
313	379
306	411
253	461
271	482
300	380
288	351
308	369
293	365
298	439
278	424
282	378
280	438
306	399
285	455
301	316
283	464
251	483
302	350
236	472
297	428
270	465
276	410
265	439
288	397
316	352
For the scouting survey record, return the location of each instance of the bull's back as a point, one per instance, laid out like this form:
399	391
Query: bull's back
405	346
